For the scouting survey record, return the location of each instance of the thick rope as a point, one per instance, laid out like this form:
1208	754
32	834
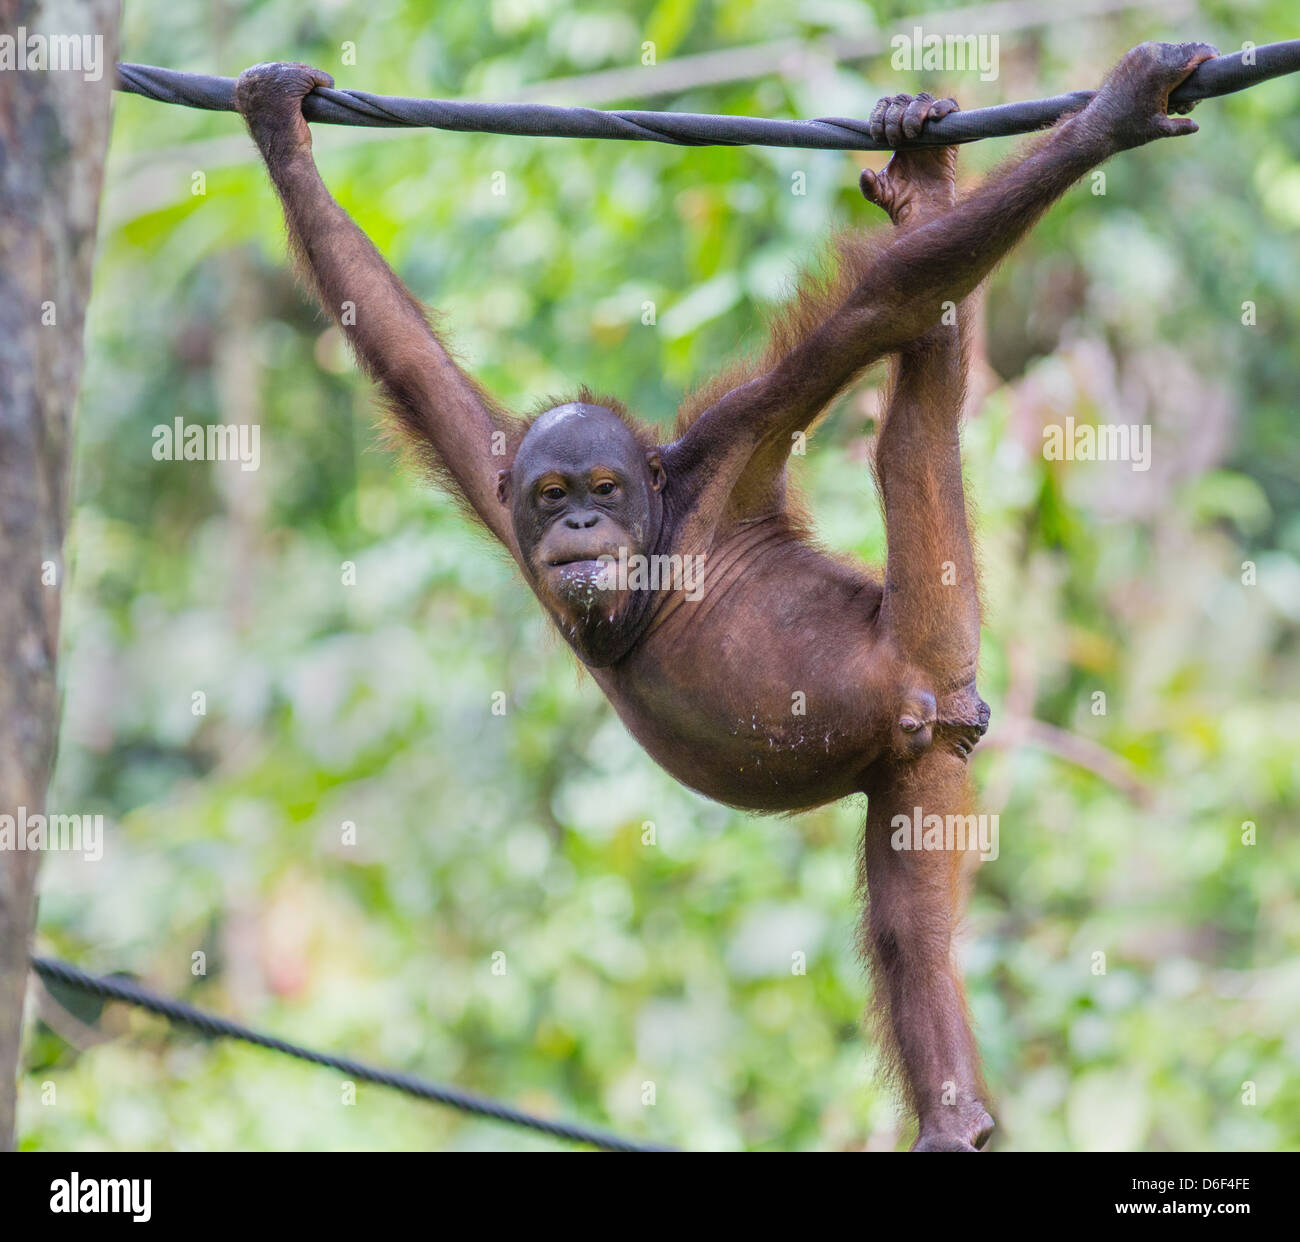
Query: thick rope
122	989
1221	76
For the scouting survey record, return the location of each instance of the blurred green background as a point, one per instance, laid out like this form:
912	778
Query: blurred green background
371	705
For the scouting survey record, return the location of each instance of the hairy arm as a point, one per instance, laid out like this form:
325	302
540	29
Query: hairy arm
450	422
894	296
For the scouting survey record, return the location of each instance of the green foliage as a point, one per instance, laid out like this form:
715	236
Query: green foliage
523	833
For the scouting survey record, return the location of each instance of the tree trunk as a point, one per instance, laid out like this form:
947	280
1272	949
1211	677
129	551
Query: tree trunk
53	138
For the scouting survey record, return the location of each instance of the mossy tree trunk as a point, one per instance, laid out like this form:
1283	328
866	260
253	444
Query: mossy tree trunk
53	137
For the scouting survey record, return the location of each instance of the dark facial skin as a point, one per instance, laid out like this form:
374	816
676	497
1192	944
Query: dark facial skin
581	489
787	678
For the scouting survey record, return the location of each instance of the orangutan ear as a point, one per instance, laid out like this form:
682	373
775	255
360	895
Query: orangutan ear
657	476
503	486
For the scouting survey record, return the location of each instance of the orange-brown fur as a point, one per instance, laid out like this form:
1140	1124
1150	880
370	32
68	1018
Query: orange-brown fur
887	671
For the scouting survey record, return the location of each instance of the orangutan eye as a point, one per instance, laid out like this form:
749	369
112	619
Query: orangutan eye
604	489
553	492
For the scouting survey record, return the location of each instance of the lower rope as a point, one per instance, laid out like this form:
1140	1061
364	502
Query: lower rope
1221	76
178	1012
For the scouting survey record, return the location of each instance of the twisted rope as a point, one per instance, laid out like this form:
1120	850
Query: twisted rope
1221	76
121	989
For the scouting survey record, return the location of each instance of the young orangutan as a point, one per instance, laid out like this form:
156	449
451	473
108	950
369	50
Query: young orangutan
783	678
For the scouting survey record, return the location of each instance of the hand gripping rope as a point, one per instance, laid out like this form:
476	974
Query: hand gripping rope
1221	76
